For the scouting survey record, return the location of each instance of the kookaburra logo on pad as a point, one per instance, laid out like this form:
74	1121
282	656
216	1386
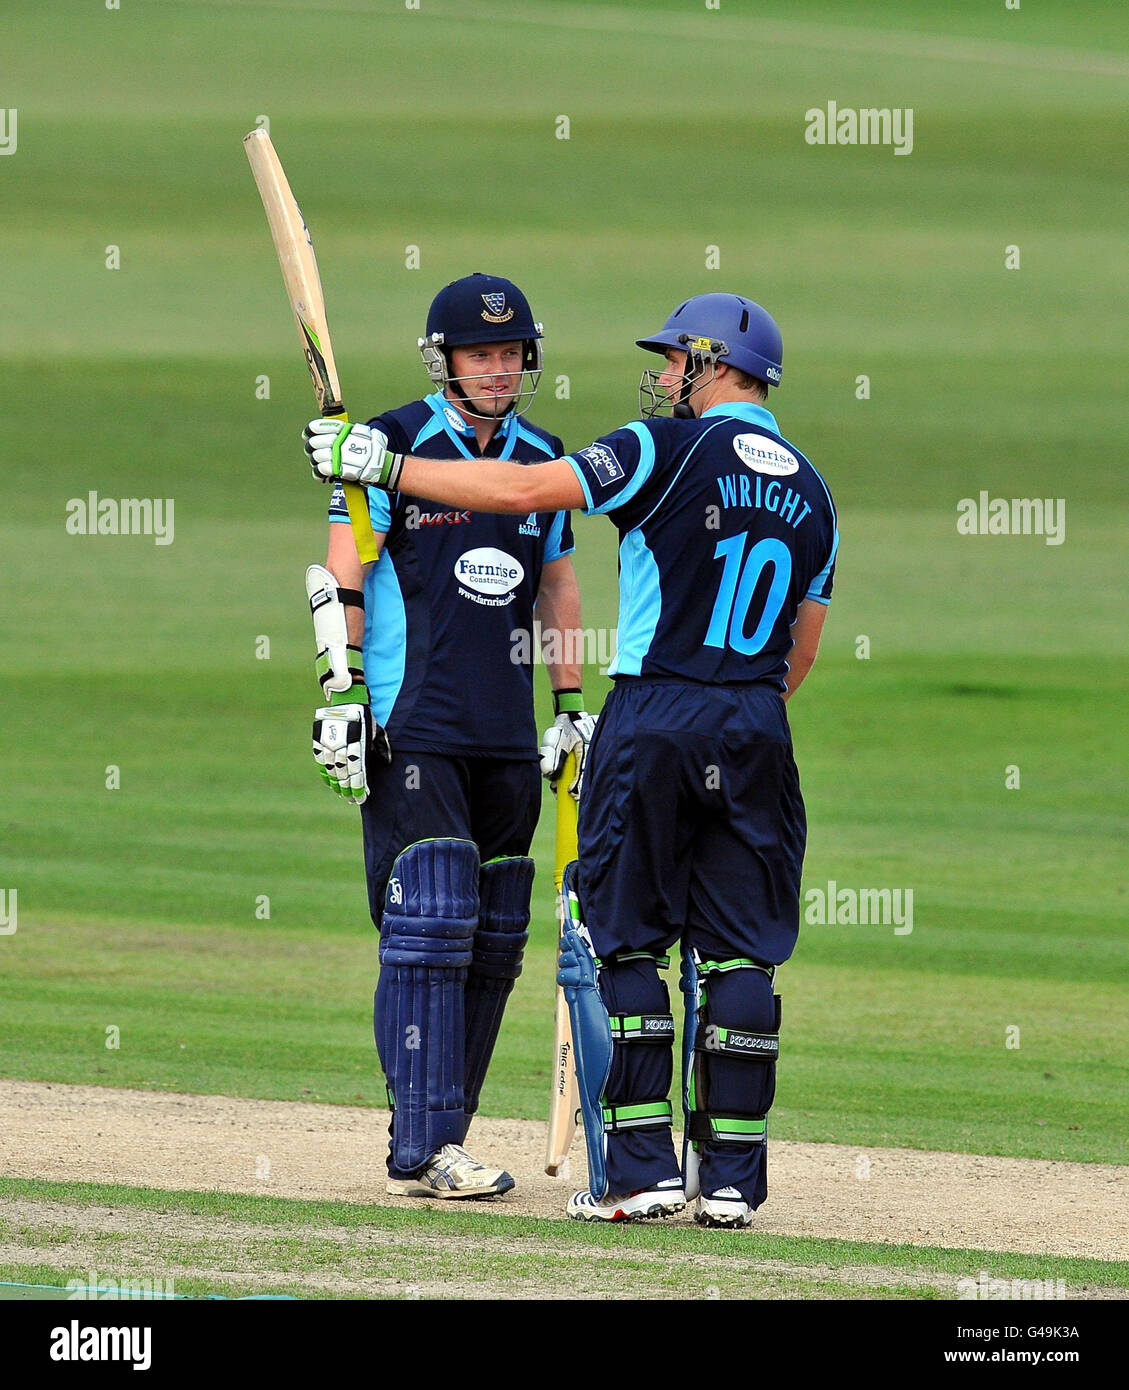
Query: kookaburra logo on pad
496	311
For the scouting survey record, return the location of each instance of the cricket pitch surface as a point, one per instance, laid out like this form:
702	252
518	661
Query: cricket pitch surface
64	1133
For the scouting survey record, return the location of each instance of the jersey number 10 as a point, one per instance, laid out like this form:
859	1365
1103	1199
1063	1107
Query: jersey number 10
730	618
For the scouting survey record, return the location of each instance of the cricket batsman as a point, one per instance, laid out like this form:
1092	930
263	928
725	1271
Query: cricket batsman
692	826
425	660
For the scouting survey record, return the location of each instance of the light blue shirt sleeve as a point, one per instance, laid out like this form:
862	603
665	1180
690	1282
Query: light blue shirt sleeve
379	508
615	467
559	541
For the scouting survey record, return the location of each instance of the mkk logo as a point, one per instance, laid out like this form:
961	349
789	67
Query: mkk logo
415	517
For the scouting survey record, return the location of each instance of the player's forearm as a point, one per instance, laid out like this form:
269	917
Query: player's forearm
806	632
361	454
484	485
345	565
355	621
798	668
558	608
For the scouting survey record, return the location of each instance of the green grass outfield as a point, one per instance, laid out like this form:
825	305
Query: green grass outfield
436	129
339	1249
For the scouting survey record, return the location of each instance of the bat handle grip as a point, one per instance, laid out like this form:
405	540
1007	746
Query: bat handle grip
356	499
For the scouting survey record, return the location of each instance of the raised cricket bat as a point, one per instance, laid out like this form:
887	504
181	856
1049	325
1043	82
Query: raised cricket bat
295	251
565	1103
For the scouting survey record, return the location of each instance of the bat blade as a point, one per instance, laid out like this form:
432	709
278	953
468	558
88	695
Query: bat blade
295	250
565	1101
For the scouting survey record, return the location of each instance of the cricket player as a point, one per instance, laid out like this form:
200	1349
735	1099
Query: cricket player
425	662
692	826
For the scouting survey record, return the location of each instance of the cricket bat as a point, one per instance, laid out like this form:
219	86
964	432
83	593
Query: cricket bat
565	1103
295	251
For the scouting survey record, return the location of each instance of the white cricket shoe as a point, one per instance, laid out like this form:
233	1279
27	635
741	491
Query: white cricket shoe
452	1172
725	1209
664	1199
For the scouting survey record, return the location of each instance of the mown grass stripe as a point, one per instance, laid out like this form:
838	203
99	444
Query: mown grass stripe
477	1227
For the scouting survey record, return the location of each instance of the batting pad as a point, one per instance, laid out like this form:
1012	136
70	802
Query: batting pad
504	889
426	946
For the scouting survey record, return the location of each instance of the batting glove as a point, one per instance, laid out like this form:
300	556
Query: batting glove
344	733
351	453
570	732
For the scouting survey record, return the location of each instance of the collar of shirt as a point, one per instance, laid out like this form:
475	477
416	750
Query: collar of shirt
747	411
458	428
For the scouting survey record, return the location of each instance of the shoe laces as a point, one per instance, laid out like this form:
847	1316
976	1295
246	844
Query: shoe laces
457	1153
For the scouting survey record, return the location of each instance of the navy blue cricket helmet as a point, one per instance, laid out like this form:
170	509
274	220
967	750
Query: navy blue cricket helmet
712	328
481	309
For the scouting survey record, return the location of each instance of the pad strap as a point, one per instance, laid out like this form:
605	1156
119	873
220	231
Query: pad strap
662	960
738	1042
645	1028
727	1129
737	963
648	1112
